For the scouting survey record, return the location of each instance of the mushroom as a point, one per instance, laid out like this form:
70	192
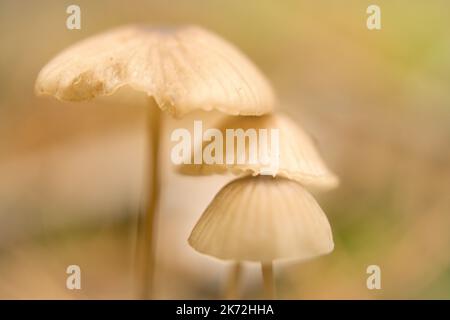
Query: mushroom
298	158
263	219
181	69
298	161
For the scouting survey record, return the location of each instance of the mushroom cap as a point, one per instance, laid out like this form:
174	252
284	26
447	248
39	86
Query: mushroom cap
262	219
298	160
184	69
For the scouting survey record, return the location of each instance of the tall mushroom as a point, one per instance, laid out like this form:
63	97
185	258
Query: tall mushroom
182	69
268	215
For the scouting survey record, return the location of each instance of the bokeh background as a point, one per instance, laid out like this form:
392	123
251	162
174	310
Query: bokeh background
377	102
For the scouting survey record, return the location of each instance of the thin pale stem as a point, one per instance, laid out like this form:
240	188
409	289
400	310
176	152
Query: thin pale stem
232	285
148	222
268	280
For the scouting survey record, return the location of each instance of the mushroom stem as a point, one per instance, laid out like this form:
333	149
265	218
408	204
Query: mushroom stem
148	227
268	280
232	285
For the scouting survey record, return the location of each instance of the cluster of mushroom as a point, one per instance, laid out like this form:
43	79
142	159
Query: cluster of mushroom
264	216
260	216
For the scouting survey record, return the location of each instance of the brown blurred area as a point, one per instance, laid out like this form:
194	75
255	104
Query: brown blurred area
377	102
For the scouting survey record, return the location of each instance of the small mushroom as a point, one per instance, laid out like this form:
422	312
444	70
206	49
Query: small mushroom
263	219
182	69
298	158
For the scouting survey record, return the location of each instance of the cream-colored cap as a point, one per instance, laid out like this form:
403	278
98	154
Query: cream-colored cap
184	69
262	219
298	157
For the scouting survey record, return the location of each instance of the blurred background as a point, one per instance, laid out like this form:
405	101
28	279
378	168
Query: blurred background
377	102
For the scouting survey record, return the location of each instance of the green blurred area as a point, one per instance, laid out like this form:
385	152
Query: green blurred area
377	102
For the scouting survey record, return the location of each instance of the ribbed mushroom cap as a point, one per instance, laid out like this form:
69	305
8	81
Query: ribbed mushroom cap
184	69
298	160
262	219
